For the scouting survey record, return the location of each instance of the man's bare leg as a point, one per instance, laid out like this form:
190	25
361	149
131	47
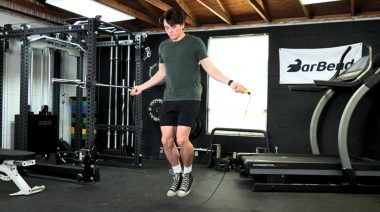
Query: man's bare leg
173	157
187	155
170	149
187	149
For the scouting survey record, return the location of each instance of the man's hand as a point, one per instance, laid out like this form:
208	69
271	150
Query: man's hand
237	87
136	90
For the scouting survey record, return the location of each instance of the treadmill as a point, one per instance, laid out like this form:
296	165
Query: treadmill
314	172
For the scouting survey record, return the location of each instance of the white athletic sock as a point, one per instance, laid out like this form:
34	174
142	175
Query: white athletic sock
187	169
177	169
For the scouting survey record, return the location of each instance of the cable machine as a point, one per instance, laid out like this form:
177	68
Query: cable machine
86	34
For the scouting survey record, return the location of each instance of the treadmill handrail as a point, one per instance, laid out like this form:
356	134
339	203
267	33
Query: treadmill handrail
357	81
346	117
340	64
316	117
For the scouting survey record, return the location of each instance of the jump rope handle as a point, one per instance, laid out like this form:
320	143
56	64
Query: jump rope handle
246	91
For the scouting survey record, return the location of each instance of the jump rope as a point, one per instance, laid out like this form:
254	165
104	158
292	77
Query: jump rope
246	91
226	168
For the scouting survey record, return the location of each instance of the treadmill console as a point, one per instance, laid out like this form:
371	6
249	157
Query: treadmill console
353	71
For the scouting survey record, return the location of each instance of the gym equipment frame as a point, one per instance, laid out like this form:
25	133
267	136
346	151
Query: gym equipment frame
87	33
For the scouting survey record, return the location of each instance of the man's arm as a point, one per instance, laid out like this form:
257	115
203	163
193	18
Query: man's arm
211	70
154	80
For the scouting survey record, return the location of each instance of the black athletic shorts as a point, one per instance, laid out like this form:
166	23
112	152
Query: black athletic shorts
175	113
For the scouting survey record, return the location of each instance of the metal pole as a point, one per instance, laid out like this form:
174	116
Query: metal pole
115	106
48	92
63	101
91	77
22	137
123	99
42	76
122	112
31	80
82	84
128	85
68	81
109	98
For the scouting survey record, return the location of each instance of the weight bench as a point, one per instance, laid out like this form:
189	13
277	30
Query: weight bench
9	160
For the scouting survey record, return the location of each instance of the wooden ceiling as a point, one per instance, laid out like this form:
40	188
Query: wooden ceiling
208	13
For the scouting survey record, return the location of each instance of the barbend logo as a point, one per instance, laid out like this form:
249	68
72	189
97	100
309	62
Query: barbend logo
320	66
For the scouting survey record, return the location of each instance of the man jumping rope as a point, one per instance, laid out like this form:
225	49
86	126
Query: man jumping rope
179	59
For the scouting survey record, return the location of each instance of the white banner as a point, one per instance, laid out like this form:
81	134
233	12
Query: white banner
303	66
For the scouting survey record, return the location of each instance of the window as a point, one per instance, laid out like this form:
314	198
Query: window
245	60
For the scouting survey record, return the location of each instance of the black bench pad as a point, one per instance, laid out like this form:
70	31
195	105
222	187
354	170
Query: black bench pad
10	154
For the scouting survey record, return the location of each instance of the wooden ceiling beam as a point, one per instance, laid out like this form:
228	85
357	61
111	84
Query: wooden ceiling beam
24	8
305	10
185	8
223	7
124	8
159	4
149	8
226	17
260	9
163	6
352	8
188	12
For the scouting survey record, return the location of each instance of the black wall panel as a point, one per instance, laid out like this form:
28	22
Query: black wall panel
289	112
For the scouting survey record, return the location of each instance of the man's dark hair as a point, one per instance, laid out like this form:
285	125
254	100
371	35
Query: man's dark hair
173	16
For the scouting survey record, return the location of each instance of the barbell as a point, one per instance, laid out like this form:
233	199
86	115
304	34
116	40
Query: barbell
83	84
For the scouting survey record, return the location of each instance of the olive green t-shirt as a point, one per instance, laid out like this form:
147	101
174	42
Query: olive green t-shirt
181	59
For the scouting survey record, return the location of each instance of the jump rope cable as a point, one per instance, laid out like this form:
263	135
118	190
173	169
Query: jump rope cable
246	108
216	188
226	167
